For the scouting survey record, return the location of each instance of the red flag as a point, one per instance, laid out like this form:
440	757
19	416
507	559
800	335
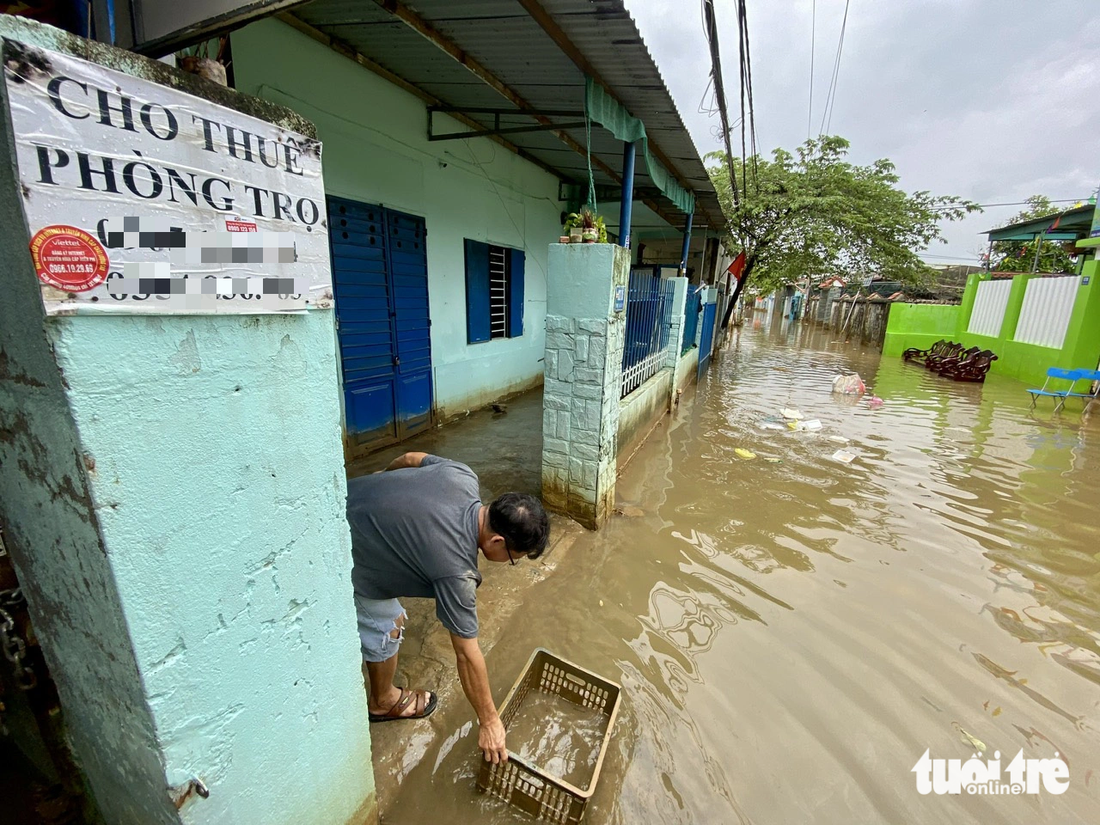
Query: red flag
737	268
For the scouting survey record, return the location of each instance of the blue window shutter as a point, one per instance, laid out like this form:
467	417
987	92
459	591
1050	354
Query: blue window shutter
515	293
477	292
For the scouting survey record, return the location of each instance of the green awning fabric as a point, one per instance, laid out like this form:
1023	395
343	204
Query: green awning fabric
609	113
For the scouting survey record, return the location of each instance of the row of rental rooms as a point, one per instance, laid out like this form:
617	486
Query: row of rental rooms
439	248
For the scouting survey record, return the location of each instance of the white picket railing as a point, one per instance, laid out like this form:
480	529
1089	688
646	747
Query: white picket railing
637	374
1046	312
989	308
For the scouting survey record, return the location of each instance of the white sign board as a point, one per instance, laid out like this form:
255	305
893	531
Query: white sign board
143	199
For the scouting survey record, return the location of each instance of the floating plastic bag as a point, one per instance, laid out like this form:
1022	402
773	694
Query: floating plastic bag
746	454
849	384
794	415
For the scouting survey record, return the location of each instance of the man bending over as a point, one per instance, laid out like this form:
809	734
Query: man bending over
416	531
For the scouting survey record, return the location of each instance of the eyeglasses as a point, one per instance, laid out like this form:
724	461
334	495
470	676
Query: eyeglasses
509	551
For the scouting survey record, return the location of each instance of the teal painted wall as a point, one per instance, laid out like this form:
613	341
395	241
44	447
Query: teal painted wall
921	325
376	150
51	531
219	486
173	492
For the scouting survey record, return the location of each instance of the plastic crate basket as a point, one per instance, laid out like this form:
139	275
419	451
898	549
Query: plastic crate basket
526	786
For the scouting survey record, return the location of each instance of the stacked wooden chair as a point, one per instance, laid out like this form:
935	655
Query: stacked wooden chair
920	356
953	360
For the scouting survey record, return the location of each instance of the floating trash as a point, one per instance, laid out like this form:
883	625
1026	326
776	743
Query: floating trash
874	402
745	454
771	425
844	456
849	384
805	426
839	439
970	739
794	415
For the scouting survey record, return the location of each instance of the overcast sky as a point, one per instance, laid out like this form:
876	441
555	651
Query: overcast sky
992	100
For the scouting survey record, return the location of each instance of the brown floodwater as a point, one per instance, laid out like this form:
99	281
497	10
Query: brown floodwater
792	636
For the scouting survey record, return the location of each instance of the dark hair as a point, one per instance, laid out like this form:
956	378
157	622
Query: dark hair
523	523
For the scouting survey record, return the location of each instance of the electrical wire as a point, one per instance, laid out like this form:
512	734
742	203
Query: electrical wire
830	98
711	109
813	40
744	18
1017	203
710	28
741	66
507	209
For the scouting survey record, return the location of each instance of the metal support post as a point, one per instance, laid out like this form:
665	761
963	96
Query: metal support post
626	203
687	246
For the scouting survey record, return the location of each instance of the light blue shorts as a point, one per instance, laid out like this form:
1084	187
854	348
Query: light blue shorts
377	620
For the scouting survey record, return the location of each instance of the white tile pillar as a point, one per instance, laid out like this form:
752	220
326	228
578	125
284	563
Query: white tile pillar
676	327
585	329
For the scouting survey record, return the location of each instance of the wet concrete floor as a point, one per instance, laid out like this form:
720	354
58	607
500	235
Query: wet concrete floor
791	637
504	448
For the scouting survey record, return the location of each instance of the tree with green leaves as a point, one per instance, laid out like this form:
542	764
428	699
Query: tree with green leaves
1019	256
814	213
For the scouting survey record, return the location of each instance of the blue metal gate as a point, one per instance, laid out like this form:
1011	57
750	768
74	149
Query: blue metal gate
648	310
706	337
380	276
692	308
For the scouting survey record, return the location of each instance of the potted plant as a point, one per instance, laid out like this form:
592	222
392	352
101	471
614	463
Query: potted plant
573	229
601	230
586	226
589	232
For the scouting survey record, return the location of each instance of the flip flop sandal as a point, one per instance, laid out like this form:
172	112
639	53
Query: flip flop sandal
423	711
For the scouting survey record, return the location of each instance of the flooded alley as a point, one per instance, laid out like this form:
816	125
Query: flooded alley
792	635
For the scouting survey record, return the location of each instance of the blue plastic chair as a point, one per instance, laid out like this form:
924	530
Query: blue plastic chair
1093	378
1073	376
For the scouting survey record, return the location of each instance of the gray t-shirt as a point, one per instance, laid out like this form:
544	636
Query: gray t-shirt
414	533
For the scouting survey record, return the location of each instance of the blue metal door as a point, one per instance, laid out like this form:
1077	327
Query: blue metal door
380	276
408	280
706	336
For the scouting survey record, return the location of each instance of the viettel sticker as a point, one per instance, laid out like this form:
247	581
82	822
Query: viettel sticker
68	258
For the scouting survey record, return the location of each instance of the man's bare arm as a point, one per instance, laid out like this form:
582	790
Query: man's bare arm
475	684
407	460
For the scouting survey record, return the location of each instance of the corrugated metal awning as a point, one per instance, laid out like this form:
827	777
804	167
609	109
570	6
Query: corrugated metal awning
1069	225
522	58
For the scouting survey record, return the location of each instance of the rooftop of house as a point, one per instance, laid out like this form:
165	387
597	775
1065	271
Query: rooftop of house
1069	225
518	69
